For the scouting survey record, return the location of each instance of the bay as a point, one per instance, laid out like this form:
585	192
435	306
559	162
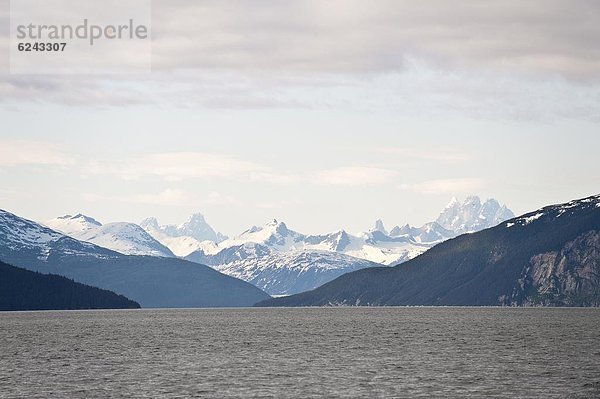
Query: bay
302	352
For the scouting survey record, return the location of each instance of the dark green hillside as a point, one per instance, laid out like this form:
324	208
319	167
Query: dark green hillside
22	289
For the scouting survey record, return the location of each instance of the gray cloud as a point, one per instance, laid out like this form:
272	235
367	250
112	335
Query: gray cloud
522	60
356	36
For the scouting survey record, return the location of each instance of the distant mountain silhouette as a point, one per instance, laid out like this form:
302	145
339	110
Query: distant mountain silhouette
22	289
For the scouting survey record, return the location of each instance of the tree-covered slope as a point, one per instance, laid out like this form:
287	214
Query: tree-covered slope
22	289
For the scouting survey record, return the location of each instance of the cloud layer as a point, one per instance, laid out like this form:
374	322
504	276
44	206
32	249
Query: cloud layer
356	36
179	166
488	58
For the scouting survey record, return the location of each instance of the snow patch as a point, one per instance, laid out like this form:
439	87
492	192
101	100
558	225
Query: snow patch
529	219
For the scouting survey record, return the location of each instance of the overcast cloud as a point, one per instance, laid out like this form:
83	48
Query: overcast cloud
547	36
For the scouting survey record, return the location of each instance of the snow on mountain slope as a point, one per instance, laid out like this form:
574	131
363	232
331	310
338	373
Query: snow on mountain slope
190	236
373	246
18	235
282	261
73	224
472	215
20	232
292	272
556	211
428	233
381	248
126	238
197	227
181	246
274	234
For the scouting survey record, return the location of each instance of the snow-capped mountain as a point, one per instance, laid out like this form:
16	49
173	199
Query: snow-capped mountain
455	219
152	281
126	238
472	215
185	238
281	261
430	232
548	257
18	236
291	272
275	236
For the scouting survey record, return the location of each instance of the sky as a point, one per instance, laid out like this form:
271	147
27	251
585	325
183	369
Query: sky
322	114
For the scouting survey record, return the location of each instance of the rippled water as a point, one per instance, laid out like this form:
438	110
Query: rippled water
333	352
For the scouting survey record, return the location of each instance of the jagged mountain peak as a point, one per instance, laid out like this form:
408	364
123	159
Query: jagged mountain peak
280	227
273	225
453	203
472	200
339	232
400	230
379	226
277	226
149	223
193	220
273	231
194	228
472	215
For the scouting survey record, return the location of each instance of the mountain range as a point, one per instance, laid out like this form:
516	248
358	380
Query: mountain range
548	257
149	280
277	259
282	261
376	245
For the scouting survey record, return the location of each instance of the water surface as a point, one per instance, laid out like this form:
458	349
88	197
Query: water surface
333	352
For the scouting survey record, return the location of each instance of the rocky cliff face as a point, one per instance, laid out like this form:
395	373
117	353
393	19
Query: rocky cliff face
568	277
